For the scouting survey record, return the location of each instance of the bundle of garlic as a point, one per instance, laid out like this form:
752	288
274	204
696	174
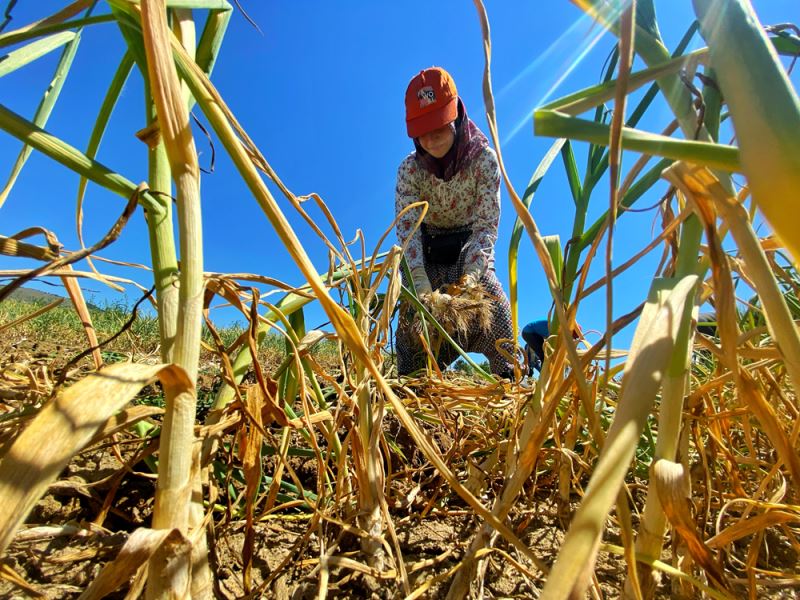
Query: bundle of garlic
460	308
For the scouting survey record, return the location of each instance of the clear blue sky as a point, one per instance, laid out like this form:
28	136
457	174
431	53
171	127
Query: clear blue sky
321	93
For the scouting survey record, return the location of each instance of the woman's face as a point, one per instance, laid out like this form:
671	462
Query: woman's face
438	142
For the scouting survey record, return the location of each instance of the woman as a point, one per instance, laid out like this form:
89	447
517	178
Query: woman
455	171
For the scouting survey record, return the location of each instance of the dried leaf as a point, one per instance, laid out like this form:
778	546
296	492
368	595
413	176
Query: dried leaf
139	548
68	423
672	487
250	441
752	525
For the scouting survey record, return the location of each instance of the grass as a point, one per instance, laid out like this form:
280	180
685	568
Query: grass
62	327
62	324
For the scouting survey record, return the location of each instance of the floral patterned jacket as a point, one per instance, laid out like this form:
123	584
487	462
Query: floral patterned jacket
471	197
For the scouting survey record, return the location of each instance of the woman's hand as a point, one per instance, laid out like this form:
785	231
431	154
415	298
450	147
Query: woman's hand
422	284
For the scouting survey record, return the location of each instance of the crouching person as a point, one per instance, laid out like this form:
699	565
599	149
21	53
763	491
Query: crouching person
455	171
534	334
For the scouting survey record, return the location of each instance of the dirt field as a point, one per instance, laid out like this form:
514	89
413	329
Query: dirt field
106	493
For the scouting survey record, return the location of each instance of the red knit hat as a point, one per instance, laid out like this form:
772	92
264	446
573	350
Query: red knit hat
431	101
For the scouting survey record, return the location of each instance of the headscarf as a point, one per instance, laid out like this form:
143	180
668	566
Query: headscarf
469	142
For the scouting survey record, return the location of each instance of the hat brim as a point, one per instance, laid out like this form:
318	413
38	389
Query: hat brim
433	120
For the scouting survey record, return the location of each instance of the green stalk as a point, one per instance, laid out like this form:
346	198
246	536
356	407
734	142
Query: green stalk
289	378
176	477
573	177
162	244
674	387
713	105
580	195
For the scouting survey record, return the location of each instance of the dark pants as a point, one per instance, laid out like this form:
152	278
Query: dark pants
411	355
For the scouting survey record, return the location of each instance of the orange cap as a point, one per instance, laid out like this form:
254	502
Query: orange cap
431	101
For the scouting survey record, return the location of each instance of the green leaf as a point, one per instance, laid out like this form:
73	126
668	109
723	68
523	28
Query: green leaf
289	380
132	34
595	153
786	44
715	156
636	191
573	177
579	102
211	39
73	159
110	100
516	231
553	243
44	109
651	93
764	107
23	34
646	17
22	56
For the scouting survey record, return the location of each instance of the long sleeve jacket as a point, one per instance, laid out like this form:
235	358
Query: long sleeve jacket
471	197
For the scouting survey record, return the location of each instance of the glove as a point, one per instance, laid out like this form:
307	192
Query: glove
421	282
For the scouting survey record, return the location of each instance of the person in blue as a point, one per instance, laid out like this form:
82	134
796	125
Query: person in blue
707	323
534	334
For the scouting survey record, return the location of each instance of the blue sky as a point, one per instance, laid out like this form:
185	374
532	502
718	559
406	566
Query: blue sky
321	93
